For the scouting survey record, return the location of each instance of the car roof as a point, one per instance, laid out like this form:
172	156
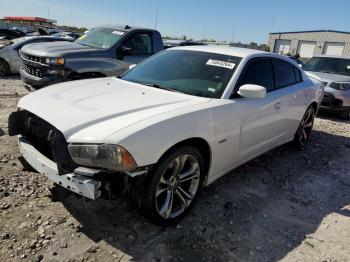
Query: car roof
334	56
124	28
225	50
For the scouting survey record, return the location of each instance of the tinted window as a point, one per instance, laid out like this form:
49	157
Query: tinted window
191	72
140	44
258	72
284	73
297	74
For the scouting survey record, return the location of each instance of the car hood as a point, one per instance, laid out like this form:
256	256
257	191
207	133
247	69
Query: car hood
92	110
56	49
329	78
326	77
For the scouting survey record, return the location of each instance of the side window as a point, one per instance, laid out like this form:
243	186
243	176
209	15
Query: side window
297	74
139	44
258	72
284	73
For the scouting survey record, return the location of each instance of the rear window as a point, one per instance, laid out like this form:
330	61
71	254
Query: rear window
297	74
284	73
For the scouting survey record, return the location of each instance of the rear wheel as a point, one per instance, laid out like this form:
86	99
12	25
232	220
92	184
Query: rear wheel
4	68
172	187
304	131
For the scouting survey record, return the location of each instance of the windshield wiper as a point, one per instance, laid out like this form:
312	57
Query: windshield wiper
328	72
159	86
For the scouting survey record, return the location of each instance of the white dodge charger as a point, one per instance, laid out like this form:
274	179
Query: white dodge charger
174	123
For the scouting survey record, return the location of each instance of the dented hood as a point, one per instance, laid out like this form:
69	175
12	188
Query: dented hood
91	110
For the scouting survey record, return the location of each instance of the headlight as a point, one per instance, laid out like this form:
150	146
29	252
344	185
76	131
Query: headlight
340	85
106	156
55	60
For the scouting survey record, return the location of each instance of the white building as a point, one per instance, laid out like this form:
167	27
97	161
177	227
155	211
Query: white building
310	43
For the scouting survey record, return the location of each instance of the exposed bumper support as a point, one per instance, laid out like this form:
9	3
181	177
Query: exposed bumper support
82	185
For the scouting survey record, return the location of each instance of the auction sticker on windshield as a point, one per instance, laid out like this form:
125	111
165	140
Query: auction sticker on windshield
118	32
219	63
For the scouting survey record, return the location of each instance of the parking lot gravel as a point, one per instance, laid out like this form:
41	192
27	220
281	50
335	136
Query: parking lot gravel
286	205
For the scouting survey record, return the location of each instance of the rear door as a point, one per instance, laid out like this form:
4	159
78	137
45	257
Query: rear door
293	95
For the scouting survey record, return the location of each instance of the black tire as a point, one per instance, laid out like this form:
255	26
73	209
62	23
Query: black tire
303	133
4	68
142	191
345	115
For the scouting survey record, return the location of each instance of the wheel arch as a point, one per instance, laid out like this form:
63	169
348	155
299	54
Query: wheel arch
199	143
314	105
6	64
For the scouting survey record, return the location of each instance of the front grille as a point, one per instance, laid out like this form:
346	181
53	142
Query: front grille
39	133
48	140
35	71
33	58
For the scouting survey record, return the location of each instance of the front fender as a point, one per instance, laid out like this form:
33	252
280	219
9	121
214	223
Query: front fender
149	144
149	139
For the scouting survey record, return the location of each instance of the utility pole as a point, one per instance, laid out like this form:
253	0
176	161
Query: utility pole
273	24
155	26
233	33
48	13
70	18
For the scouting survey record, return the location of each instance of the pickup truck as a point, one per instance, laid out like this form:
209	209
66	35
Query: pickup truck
102	51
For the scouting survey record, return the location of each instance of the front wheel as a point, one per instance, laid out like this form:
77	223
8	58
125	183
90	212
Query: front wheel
172	187
4	68
303	133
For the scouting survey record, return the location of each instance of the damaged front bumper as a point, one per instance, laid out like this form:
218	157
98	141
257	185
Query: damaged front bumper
79	184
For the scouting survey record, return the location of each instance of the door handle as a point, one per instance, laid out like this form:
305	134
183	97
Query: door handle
278	106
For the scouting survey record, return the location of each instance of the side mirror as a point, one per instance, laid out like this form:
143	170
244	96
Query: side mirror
124	51
132	66
252	91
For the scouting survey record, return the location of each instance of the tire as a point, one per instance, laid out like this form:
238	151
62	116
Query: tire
345	115
4	68
151	195
303	133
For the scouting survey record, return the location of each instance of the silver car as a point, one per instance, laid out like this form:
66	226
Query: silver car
334	71
10	61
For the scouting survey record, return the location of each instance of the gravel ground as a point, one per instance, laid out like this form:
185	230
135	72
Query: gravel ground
286	205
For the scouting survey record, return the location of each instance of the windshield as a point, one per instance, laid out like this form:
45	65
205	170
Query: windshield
102	38
190	72
329	65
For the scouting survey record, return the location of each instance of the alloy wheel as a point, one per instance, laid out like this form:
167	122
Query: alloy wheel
177	186
306	126
2	70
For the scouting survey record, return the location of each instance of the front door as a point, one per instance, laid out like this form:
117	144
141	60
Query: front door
260	124
136	48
